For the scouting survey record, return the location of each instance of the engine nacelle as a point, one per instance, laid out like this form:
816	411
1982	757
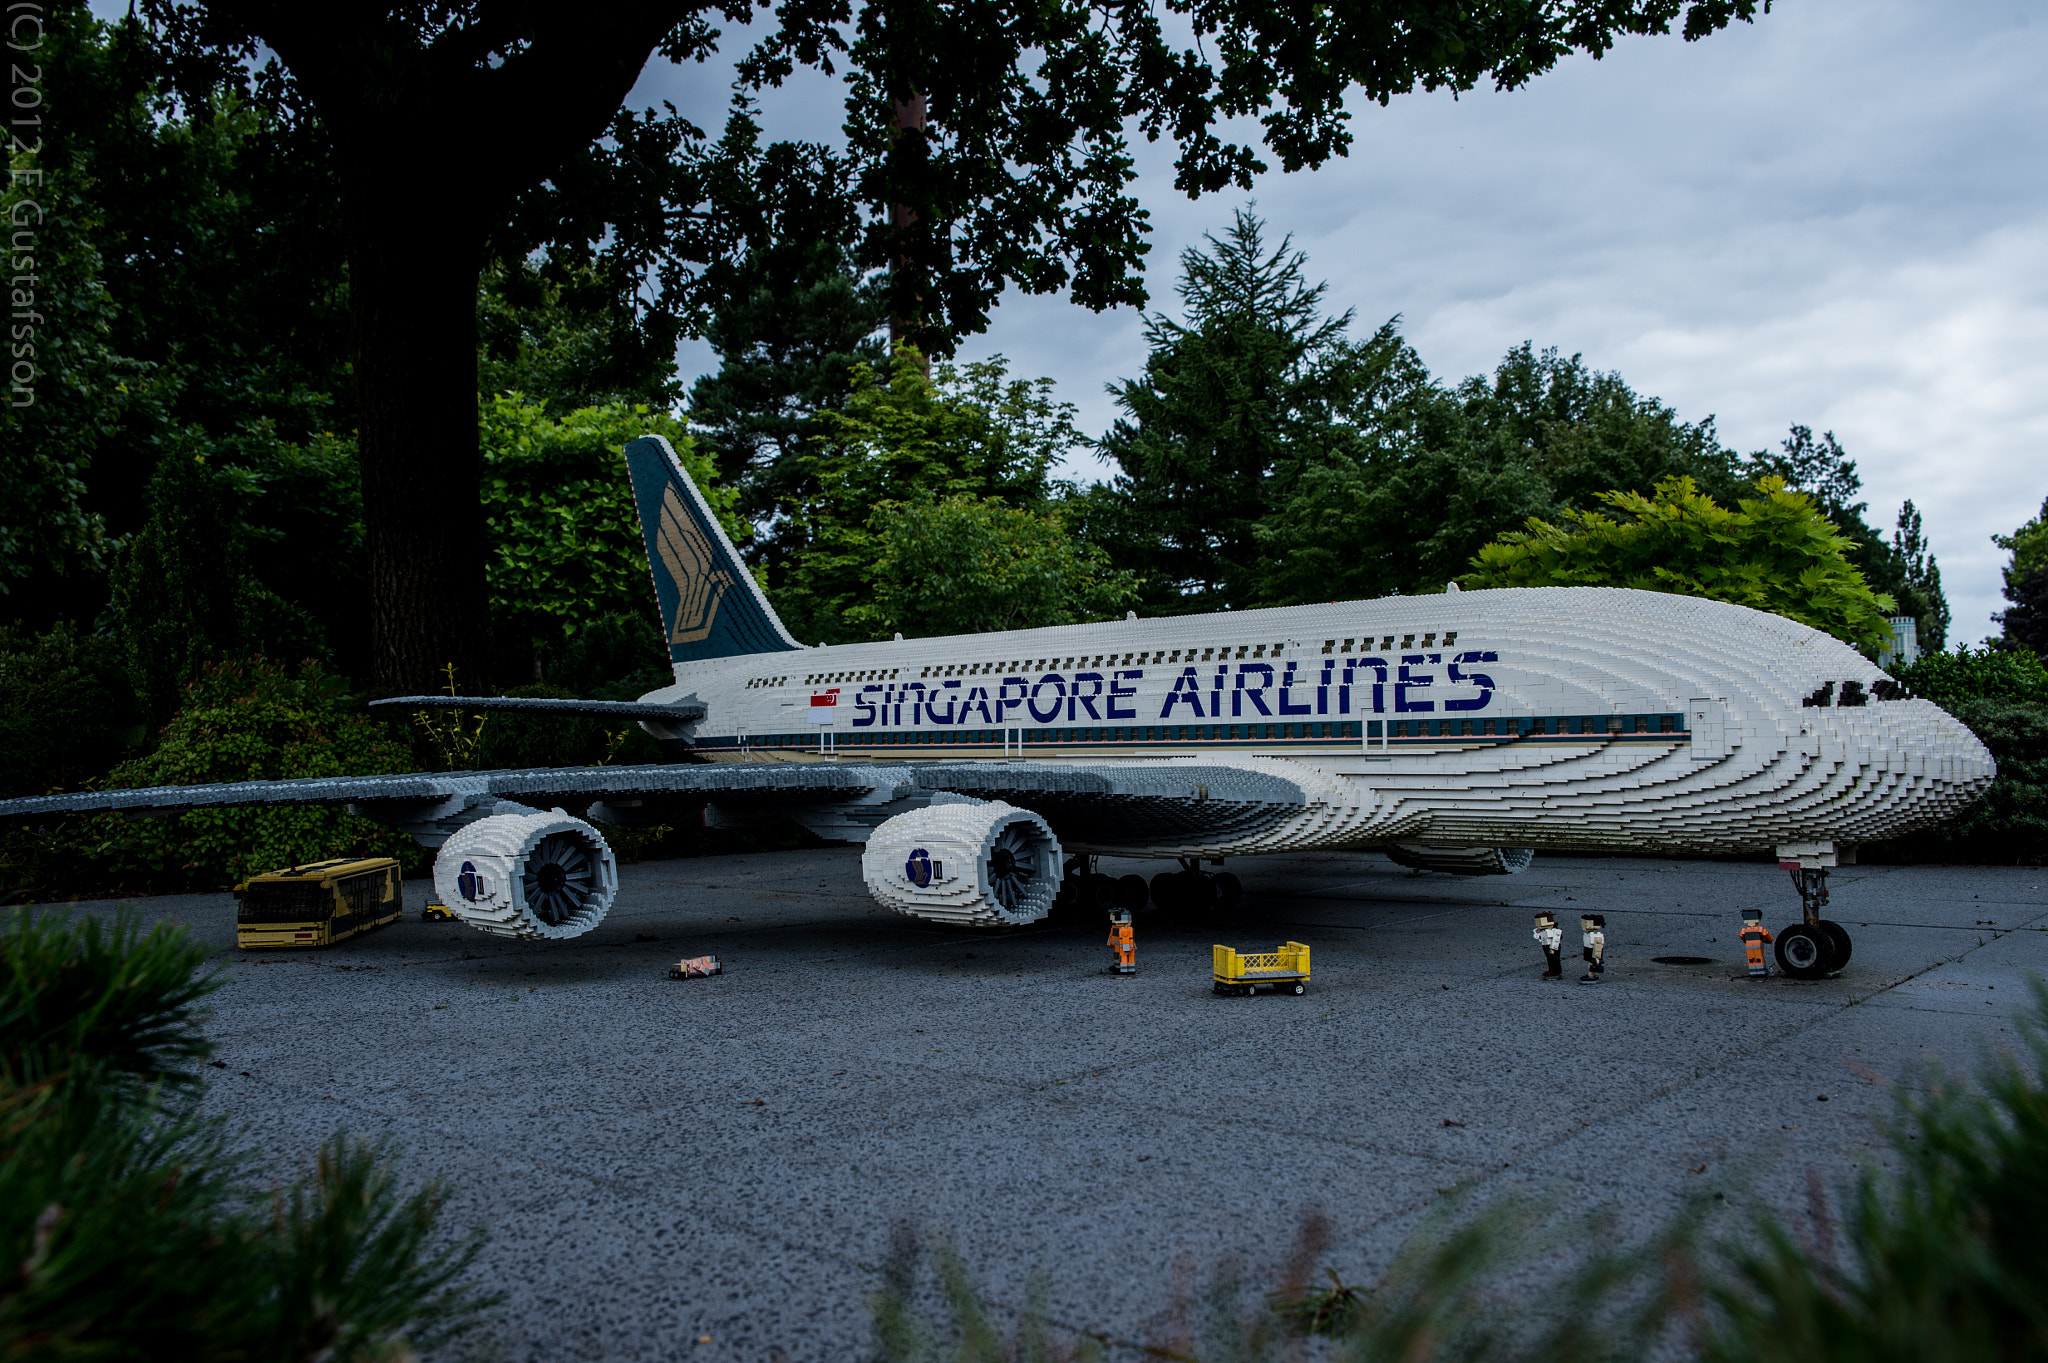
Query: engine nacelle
531	875
964	861
1464	861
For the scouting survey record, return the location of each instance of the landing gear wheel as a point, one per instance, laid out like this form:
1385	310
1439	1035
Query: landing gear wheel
1805	953
1192	895
1166	894
1228	890
1297	988
1098	892
1839	937
1132	893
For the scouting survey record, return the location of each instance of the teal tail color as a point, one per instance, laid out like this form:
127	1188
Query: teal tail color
710	605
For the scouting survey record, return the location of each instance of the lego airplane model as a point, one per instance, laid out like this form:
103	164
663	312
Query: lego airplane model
1457	733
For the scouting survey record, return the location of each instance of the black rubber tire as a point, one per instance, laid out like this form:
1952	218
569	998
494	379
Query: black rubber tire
1098	892
1839	935
1229	890
1297	988
1805	953
1197	894
1219	989
1132	893
1166	895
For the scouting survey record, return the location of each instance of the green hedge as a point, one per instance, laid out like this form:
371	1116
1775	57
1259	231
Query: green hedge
2002	696
245	721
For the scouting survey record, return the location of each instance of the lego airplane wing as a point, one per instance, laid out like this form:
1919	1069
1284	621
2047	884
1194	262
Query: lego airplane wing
430	805
679	712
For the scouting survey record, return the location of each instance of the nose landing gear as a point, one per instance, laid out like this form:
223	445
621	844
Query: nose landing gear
1817	947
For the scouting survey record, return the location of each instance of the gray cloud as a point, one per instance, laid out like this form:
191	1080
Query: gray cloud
1834	217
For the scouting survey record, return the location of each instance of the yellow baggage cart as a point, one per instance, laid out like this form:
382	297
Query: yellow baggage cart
317	905
1242	972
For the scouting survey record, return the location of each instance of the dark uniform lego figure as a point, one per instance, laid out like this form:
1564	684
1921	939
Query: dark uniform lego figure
1124	939
1755	937
1593	936
1550	937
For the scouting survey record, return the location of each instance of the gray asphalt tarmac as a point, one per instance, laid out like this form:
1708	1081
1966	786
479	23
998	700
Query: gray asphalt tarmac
661	1162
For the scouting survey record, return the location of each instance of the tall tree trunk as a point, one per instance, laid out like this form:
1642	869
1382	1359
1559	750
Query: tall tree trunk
906	265
413	267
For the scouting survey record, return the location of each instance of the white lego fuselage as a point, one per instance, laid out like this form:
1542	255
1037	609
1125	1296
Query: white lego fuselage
1547	718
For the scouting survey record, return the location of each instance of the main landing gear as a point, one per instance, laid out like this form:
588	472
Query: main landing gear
1086	894
1192	892
1818	946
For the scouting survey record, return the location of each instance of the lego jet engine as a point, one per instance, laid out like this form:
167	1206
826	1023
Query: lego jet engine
965	861
538	876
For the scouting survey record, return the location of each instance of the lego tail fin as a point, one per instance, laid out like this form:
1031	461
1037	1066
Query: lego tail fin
710	604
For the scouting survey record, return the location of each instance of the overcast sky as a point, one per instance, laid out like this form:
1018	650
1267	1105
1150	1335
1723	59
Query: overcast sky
1835	216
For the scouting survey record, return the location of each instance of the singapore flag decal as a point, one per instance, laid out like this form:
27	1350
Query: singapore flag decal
823	705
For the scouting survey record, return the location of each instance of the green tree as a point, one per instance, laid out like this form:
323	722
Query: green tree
137	1228
67	709
566	547
238	721
183	592
2025	621
1436	474
187	304
1254	385
1774	552
987	145
788	330
1902	567
967	565
554	334
908	436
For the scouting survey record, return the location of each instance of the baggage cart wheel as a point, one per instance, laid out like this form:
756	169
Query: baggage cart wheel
1298	988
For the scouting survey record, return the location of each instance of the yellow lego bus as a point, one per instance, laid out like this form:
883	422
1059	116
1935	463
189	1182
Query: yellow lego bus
317	905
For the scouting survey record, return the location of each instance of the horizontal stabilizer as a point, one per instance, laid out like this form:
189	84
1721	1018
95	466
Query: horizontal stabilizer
681	713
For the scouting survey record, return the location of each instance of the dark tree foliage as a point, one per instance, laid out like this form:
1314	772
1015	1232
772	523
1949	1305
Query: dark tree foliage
793	323
67	709
2002	695
555	335
183	593
191	278
1255	385
987	146
2025	621
1584	432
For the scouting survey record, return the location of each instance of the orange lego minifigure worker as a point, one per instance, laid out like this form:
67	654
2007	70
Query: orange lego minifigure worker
1124	938
1755	937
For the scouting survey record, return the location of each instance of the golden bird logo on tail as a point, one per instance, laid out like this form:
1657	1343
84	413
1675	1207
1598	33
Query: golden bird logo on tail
700	583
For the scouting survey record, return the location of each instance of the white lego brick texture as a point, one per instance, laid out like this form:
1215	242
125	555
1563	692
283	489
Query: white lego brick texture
958	841
496	848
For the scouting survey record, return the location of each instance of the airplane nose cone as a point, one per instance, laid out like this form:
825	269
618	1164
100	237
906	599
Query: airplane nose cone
1921	765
